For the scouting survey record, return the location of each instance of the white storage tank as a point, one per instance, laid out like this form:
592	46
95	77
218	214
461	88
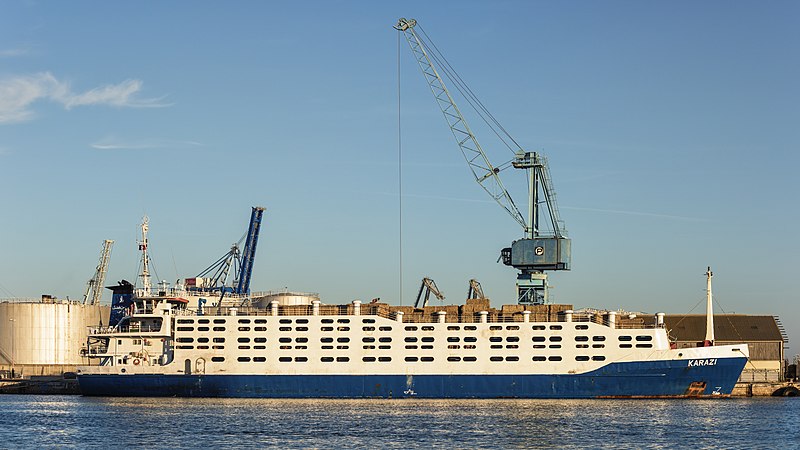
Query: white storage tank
286	298
41	338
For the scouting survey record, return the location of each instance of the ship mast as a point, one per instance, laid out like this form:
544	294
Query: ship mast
145	272
709	340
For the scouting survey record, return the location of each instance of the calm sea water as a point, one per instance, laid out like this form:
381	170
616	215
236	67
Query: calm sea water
80	422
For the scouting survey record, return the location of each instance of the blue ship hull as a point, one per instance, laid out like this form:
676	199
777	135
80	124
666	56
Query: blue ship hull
670	378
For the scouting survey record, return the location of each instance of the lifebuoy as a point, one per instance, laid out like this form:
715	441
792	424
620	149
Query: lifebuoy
136	361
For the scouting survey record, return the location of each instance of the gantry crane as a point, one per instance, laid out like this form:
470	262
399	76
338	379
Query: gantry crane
428	287
95	285
540	249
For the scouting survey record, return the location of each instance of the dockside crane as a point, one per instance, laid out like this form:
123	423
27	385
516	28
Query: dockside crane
249	252
94	287
427	288
545	245
215	276
475	291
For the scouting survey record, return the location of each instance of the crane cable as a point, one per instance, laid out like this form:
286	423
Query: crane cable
399	174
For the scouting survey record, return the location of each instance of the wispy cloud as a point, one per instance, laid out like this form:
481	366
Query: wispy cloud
637	213
13	52
18	94
112	143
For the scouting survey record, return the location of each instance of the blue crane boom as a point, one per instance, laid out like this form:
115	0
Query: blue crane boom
249	251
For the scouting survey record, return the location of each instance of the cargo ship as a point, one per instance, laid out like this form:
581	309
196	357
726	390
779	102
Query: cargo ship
292	345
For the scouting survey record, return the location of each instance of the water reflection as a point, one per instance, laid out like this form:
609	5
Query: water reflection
78	422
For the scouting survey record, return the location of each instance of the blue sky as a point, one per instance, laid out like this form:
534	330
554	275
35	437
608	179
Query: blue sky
671	129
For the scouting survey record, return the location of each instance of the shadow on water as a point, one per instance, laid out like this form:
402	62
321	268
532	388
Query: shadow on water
78	422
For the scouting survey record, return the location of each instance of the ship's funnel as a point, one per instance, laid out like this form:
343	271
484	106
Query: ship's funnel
121	301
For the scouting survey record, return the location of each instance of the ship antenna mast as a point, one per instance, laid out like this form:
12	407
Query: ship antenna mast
145	272
709	311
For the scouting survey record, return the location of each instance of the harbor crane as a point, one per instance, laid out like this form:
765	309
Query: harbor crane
240	260
545	245
94	287
428	287
475	291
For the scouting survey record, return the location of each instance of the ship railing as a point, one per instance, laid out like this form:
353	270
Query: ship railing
56	301
124	329
367	310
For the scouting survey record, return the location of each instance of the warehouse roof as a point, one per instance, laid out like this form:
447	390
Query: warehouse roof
727	327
